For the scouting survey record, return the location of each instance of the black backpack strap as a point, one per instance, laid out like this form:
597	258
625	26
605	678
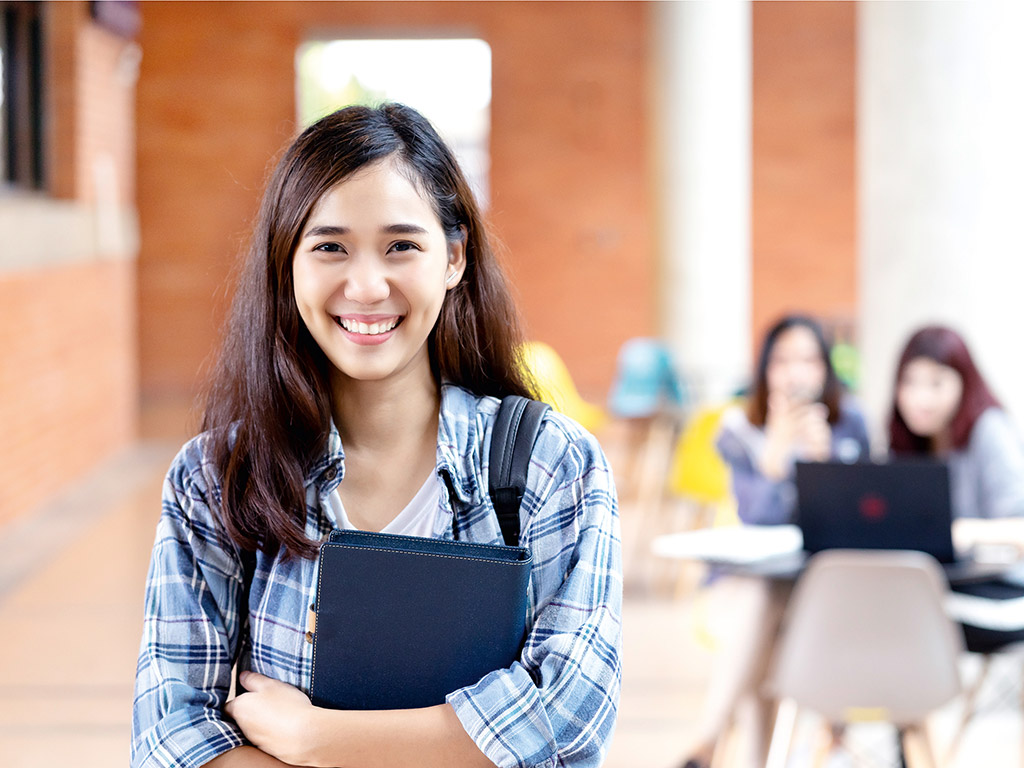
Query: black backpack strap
512	438
248	573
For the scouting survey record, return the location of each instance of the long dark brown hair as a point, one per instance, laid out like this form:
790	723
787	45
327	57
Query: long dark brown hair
945	347
831	393
268	406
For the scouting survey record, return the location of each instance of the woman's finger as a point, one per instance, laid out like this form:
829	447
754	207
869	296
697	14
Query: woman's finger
254	681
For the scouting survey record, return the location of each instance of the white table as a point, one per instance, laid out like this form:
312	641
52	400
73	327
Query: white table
776	552
730	545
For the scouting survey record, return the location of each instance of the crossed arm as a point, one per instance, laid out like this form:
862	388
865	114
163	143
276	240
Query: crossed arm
519	715
288	730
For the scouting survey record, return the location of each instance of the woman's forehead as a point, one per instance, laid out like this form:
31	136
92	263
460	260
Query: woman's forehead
929	365
798	338
384	187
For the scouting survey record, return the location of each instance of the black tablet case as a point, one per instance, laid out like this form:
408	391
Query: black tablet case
402	621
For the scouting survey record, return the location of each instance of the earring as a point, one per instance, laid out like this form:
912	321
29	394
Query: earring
451	277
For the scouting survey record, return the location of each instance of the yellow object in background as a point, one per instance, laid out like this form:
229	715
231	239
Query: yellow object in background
698	472
555	386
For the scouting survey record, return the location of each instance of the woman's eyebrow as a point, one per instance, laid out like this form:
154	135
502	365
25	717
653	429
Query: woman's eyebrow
326	230
332	230
403	229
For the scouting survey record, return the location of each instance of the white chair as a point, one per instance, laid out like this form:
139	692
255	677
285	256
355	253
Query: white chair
866	637
993	623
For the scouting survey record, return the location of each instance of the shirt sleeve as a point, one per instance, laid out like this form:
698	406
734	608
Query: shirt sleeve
557	705
999	455
852	426
759	499
190	631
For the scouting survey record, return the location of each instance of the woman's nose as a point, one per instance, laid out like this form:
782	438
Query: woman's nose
367	282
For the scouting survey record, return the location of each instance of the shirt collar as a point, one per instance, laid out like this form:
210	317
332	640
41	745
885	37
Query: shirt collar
327	473
458	449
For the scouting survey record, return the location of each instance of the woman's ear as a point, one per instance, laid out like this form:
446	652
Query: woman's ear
456	260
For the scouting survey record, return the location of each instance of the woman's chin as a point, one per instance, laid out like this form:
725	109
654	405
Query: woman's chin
925	431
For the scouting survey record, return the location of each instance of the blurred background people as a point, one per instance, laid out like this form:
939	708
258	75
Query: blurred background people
943	408
797	410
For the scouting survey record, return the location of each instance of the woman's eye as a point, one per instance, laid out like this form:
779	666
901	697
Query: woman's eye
404	245
329	248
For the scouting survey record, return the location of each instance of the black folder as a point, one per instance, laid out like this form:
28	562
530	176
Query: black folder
402	621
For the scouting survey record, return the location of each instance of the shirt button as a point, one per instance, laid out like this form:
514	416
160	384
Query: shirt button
309	637
330	474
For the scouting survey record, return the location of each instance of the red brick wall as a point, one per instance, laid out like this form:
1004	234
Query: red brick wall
105	114
569	177
69	399
804	187
68	380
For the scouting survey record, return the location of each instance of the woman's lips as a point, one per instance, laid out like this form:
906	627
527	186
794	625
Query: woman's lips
367	330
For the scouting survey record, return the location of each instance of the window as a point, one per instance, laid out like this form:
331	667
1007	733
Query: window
447	80
21	97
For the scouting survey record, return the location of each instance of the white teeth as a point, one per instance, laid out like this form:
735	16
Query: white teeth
373	329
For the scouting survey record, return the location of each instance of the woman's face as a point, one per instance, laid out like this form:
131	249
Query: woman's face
928	396
371	270
796	369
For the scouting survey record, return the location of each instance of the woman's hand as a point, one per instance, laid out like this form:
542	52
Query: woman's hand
780	429
276	717
814	435
794	429
281	721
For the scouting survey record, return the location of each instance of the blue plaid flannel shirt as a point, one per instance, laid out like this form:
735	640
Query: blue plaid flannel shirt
556	706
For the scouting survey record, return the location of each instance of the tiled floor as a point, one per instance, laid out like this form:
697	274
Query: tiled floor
71	583
70	618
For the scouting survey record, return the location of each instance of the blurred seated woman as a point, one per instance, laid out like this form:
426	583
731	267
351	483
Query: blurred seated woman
944	409
797	410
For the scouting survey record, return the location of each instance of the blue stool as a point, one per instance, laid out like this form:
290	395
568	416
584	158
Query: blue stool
646	382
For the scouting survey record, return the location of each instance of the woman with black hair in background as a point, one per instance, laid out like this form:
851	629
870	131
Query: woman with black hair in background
797	411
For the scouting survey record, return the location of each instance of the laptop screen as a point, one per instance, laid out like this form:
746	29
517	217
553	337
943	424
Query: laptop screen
898	505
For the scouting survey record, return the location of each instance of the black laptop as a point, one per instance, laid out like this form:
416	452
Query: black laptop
899	505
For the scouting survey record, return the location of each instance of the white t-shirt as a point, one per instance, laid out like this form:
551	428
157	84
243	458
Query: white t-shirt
417	519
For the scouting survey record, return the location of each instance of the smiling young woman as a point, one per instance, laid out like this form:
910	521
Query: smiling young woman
370	339
370	274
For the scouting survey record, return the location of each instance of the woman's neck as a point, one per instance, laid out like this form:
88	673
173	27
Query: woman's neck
388	430
378	416
942	443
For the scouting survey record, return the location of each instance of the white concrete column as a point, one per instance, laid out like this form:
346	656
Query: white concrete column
701	108
941	167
